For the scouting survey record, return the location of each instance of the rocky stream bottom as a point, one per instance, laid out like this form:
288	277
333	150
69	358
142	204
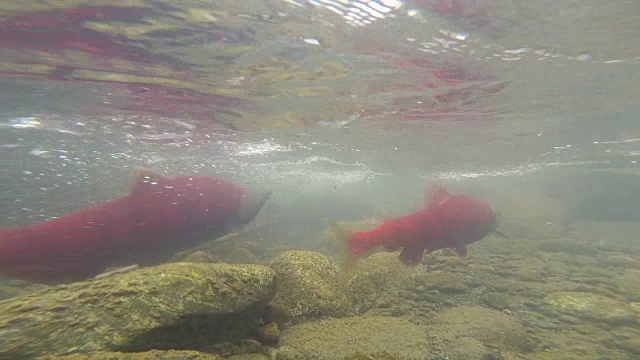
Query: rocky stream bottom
564	295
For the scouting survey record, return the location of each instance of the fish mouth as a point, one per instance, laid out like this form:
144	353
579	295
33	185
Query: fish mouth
252	203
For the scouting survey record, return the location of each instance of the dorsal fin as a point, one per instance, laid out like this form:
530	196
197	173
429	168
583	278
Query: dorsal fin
436	194
142	179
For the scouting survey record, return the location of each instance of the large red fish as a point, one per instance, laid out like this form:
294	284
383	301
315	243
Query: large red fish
447	221
160	216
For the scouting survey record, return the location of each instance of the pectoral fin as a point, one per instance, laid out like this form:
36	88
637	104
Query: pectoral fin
461	250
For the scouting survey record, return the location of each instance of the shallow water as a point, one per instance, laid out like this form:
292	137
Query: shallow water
346	110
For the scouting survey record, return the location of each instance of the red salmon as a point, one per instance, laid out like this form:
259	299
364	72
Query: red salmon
159	217
447	221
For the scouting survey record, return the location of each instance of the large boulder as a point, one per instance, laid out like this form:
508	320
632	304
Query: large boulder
172	306
308	285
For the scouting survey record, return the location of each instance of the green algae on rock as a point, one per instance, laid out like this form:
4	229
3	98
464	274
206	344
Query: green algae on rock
235	247
360	337
171	306
12	287
308	285
592	306
491	327
465	348
378	278
444	281
629	282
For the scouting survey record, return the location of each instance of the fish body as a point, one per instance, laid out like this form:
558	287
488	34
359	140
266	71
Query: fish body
159	217
447	221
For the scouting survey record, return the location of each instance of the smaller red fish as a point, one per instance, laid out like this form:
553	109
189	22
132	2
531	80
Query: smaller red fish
447	221
159	217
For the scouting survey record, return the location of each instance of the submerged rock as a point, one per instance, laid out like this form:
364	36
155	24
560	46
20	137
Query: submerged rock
629	283
308	285
172	306
465	348
240	247
379	278
445	282
593	307
568	246
363	337
11	288
491	327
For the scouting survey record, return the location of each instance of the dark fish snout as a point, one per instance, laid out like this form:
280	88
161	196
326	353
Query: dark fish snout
252	203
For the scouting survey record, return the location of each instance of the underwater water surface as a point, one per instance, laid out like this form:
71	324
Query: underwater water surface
346	111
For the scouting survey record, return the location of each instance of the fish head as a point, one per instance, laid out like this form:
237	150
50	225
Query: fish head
218	200
466	219
251	203
480	218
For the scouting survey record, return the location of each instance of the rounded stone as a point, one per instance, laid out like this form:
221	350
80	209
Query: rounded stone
172	305
379	277
491	327
592	306
308	285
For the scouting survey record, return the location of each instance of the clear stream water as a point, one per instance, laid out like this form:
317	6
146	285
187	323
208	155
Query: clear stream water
344	108
309	95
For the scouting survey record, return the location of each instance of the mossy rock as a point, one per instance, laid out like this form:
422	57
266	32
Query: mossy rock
629	282
171	306
308	285
465	348
567	246
378	278
235	247
491	327
446	282
594	307
11	288
360	337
